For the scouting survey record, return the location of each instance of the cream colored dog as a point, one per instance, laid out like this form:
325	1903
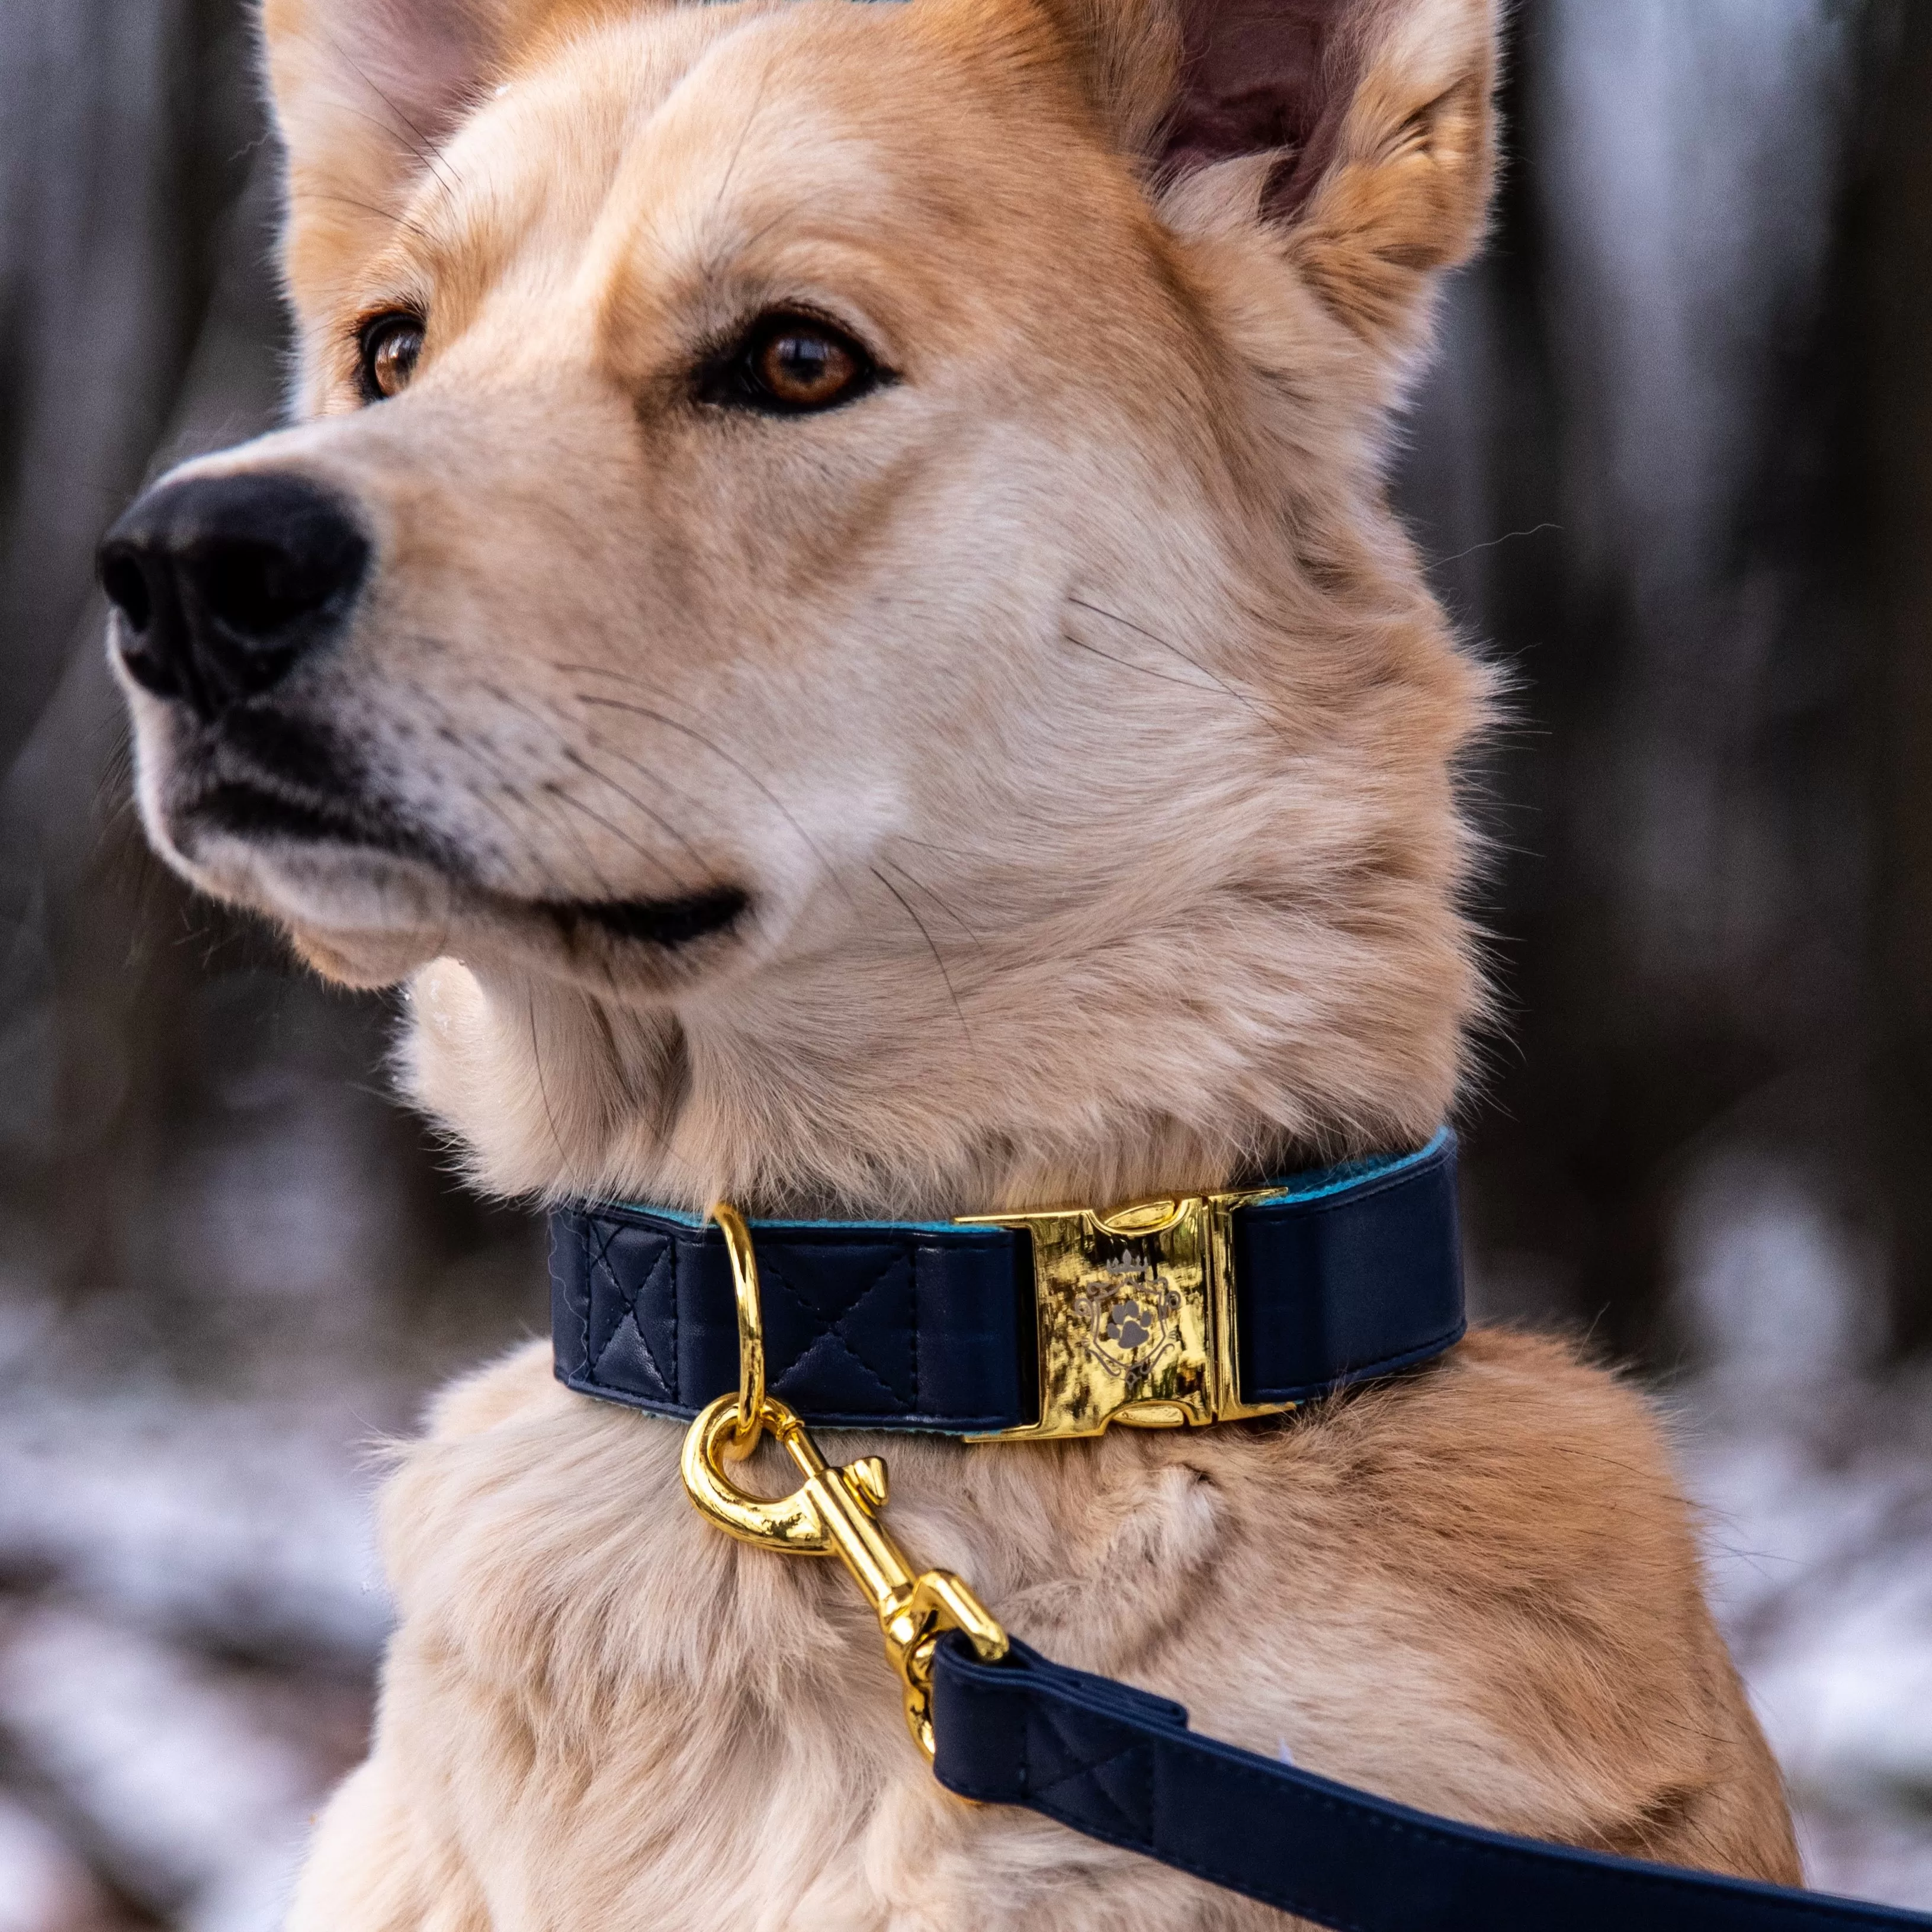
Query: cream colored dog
868	671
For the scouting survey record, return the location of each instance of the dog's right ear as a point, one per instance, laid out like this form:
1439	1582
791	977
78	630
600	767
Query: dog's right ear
1359	131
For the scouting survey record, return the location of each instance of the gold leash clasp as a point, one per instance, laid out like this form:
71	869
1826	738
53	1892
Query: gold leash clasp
832	1513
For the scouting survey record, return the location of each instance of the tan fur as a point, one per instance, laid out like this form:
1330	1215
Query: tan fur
1475	1591
1076	717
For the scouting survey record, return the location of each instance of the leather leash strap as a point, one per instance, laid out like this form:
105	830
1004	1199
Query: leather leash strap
1120	1766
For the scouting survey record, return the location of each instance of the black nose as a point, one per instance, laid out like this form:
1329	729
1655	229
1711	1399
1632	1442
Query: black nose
223	582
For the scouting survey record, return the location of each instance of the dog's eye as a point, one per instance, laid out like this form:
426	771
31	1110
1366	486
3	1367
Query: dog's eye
804	366
790	365
390	345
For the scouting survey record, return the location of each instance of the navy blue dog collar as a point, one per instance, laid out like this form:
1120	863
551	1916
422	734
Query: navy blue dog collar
1194	1309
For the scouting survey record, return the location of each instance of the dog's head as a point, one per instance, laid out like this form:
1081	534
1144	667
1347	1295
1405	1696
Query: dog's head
831	601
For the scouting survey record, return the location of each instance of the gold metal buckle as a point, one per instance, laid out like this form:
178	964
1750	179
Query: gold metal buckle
833	1513
1136	1316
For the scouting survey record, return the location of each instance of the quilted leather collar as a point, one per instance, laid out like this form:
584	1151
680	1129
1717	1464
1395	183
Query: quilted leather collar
1340	1275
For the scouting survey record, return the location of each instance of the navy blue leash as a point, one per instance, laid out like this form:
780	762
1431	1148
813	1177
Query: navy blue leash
1121	1765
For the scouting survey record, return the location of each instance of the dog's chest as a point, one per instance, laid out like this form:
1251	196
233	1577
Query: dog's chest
617	1716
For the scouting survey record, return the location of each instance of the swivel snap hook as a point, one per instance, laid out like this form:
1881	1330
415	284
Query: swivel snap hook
832	1513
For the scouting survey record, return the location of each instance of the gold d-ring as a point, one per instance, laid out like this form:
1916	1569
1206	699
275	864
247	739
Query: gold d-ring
751	1423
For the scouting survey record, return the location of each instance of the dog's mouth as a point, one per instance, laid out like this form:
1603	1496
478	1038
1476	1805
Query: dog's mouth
256	813
667	922
337	859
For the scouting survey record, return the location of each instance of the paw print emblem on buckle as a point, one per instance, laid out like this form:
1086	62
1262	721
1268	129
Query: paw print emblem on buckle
1134	1320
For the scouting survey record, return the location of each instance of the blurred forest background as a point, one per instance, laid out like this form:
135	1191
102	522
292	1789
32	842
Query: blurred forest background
1675	468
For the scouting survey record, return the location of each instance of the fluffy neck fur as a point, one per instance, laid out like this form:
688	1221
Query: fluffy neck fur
1275	973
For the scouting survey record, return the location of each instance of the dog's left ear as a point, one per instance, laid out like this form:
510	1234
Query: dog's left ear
1361	130
365	90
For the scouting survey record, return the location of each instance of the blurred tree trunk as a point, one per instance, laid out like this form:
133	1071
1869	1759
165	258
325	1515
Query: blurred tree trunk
1892	256
1661	458
125	131
137	322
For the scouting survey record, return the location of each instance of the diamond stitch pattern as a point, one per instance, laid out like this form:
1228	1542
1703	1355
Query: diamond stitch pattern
813	1324
1115	1792
616	1334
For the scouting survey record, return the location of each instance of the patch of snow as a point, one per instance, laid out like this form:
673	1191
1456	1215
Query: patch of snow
1819	1539
43	1887
196	1809
1775	1285
238	1523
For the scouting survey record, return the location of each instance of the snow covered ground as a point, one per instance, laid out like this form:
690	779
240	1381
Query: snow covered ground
187	1638
1818	1522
